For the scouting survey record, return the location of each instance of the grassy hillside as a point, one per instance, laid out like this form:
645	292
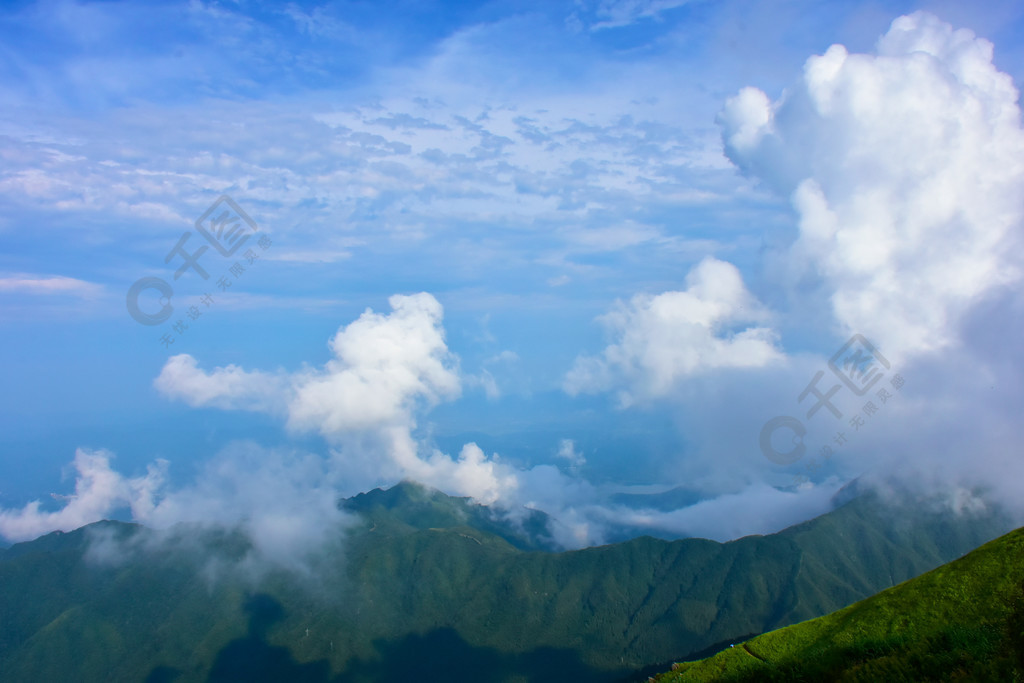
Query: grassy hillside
427	581
961	622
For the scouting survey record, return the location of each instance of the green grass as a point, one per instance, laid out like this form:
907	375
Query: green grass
963	621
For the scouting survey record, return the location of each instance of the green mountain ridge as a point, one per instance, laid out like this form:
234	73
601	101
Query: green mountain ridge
963	621
437	588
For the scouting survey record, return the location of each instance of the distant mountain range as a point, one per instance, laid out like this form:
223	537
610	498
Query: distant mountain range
961	622
434	588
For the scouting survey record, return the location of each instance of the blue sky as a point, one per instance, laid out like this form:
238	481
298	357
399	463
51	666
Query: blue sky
641	228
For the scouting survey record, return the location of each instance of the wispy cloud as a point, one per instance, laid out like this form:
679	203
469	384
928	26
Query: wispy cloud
49	285
99	492
608	14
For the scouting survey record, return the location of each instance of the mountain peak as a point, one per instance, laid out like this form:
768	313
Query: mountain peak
401	497
409	506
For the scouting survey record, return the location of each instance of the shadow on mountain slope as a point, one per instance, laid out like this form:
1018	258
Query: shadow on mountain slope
442	654
163	674
253	659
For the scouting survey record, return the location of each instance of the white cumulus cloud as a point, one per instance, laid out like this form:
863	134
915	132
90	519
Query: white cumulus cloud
384	366
387	369
660	340
230	387
906	168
